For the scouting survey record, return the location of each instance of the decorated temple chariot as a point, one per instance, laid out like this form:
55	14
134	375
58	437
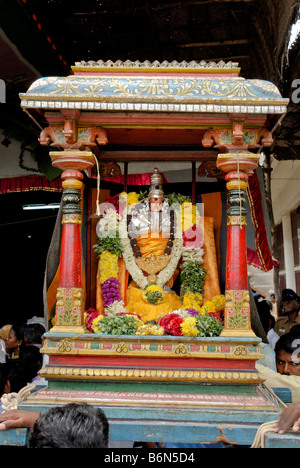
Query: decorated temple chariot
149	308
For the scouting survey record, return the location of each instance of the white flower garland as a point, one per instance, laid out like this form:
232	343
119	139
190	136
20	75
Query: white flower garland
111	222
117	307
108	224
135	272
128	257
192	255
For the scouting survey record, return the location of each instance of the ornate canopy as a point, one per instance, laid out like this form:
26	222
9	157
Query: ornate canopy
155	87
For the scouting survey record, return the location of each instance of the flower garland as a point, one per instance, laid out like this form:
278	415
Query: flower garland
189	322
111	292
108	266
153	294
194	318
181	322
192	301
135	272
192	272
118	325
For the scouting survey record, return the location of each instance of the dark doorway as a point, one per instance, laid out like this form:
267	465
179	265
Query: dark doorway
25	237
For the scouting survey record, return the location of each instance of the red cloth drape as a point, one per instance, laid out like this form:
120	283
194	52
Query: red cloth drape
135	179
29	183
262	257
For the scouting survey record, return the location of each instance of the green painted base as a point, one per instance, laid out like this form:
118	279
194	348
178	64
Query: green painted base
151	387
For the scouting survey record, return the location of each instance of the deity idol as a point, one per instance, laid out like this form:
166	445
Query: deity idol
151	240
155	237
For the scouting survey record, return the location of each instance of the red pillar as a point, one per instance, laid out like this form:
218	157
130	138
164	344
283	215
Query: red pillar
238	167
70	298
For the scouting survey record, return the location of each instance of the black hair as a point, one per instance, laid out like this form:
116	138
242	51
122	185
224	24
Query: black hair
33	333
19	329
288	342
16	375
295	330
71	426
3	377
32	361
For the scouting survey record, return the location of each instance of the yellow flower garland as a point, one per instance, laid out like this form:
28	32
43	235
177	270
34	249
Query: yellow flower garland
149	329
192	301
219	303
132	197
95	323
189	215
208	308
108	266
189	328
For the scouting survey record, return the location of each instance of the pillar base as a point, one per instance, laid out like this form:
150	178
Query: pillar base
61	329
237	333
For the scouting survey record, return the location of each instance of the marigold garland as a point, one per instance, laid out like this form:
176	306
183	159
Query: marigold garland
108	266
189	327
192	301
219	303
189	215
132	198
153	294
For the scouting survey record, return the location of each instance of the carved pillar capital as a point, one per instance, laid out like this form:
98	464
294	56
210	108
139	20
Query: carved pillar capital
237	137
69	135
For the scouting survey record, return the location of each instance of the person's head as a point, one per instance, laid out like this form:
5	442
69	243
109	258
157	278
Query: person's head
12	378
4	333
33	334
287	352
290	302
71	426
273	298
15	340
32	361
295	330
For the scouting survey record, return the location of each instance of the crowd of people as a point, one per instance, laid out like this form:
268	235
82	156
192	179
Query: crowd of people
281	363
20	356
21	360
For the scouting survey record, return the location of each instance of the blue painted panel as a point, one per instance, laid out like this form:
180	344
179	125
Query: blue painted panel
180	433
13	437
284	394
282	441
144	88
